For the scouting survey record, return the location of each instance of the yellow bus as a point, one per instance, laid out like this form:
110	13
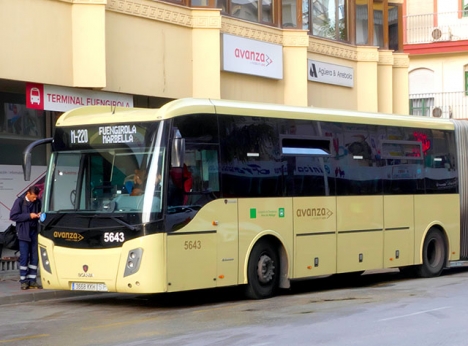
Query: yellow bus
210	193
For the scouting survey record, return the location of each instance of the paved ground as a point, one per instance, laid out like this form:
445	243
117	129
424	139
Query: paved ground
10	292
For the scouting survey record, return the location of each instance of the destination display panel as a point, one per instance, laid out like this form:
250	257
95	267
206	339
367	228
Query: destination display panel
101	136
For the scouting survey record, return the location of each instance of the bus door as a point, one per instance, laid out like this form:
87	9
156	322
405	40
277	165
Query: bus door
399	230
311	182
404	178
359	204
202	229
360	233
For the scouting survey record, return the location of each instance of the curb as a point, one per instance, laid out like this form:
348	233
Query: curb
40	295
9	271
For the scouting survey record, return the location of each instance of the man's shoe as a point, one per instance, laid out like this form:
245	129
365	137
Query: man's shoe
24	286
35	285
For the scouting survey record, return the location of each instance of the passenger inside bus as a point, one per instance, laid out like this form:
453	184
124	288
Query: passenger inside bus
179	185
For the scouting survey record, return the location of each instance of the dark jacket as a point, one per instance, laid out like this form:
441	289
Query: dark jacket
20	213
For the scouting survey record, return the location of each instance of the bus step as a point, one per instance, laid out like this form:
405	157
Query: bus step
456	264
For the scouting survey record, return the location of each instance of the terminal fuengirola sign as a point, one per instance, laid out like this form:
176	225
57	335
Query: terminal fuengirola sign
62	99
323	72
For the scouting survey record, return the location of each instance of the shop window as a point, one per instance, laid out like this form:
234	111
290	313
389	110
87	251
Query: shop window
19	121
19	126
465	8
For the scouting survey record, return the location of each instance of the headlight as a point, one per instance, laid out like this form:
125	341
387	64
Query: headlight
133	261
45	259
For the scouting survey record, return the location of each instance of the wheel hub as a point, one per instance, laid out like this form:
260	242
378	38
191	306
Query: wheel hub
265	269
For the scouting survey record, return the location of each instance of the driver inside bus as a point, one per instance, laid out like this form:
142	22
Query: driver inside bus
139	182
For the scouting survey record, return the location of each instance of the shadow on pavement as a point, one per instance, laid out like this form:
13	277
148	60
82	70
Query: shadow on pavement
215	296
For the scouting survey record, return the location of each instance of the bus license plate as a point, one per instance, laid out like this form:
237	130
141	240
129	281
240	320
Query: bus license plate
81	286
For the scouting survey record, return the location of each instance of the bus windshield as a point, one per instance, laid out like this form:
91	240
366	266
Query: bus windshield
111	178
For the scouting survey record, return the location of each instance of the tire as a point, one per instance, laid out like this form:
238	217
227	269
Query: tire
434	255
263	271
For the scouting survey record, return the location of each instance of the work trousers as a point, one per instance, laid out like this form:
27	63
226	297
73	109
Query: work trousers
29	259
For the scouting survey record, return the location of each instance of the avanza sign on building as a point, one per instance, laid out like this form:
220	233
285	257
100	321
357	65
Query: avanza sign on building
62	99
243	55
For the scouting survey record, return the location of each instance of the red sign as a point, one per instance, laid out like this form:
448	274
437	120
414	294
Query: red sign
35	96
62	99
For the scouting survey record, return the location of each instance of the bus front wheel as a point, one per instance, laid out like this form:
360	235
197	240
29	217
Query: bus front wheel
434	254
263	271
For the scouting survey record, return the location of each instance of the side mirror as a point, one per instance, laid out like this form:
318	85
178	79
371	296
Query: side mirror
27	166
178	150
27	156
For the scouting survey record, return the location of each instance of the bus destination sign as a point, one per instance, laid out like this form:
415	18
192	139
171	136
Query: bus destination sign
107	135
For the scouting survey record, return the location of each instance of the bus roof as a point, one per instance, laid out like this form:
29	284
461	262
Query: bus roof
93	115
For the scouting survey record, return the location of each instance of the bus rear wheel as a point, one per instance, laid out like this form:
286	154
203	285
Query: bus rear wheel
263	271
434	254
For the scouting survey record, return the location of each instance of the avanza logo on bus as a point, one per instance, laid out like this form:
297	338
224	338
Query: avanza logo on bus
68	236
322	213
256	57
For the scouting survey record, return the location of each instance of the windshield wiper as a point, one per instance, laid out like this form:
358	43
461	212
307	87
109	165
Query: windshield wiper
102	216
118	220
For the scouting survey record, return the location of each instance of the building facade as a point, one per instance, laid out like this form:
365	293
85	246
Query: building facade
60	54
436	39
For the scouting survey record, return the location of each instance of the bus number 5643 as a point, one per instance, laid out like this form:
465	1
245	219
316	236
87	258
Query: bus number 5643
192	245
111	237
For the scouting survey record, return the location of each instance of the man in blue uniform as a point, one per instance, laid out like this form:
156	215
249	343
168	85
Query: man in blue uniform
25	212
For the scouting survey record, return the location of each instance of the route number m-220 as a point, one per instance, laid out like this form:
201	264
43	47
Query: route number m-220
79	136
